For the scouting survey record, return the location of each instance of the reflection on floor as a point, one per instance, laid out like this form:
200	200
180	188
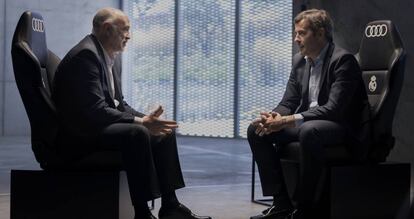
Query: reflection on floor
217	174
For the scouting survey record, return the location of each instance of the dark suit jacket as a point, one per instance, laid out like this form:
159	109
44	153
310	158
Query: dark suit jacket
342	97
82	92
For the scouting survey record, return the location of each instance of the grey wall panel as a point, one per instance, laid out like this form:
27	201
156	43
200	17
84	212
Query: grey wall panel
67	22
2	74
15	119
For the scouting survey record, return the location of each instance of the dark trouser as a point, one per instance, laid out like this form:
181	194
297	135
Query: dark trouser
151	162
313	136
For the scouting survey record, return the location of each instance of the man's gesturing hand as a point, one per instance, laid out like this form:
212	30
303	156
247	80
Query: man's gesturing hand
157	112
158	126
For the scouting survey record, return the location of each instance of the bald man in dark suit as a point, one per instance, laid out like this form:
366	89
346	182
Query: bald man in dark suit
94	117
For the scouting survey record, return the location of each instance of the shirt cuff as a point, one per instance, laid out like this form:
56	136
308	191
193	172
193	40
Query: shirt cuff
138	120
298	119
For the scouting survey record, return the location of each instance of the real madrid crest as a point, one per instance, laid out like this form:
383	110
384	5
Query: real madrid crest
372	86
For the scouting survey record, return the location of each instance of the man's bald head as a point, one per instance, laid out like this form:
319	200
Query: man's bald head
111	28
106	15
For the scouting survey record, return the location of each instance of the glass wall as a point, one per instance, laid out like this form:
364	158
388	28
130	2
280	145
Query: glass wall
148	76
206	67
229	60
265	57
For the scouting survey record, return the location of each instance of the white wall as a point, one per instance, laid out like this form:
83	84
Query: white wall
66	22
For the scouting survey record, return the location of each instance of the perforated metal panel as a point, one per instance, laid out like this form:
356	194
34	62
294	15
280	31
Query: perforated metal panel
206	94
149	76
206	68
265	57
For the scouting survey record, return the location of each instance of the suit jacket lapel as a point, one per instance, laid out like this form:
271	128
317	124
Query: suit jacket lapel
304	71
305	85
107	88
118	94
108	83
116	71
325	66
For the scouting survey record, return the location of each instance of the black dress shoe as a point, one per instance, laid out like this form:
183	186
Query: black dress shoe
179	212
297	214
274	212
146	216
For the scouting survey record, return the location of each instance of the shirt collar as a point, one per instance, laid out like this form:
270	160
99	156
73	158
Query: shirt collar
319	59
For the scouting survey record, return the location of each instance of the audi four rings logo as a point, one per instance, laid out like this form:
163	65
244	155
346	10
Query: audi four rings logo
37	25
379	30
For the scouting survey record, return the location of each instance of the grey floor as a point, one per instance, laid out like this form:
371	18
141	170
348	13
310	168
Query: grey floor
217	174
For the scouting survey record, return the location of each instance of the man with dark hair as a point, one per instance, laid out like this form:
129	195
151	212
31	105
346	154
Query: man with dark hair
94	117
323	104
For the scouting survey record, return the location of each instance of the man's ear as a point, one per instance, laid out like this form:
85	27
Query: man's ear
321	33
107	28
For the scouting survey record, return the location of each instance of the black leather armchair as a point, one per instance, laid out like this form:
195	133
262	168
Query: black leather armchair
34	68
89	188
381	58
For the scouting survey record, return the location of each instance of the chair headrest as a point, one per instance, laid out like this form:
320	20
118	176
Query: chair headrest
31	30
380	42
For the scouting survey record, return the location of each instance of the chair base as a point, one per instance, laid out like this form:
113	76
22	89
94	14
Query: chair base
377	191
67	195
